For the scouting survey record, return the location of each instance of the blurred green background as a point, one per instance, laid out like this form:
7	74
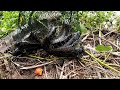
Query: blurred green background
81	20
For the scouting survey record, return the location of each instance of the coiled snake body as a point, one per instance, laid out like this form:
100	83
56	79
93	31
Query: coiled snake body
37	36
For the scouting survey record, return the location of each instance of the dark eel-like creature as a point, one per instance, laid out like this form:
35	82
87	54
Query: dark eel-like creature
59	41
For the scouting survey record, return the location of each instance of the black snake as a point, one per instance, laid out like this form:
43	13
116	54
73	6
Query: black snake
44	33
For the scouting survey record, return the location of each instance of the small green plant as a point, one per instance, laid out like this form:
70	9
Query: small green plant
103	48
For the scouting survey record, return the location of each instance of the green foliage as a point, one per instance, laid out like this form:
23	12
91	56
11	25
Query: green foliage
117	25
88	20
8	22
94	20
82	21
102	48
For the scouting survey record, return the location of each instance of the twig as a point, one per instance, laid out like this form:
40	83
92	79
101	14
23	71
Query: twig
102	63
18	65
42	58
6	65
100	36
17	71
111	43
98	74
73	71
73	65
107	56
85	38
81	63
61	74
58	73
28	58
35	66
45	72
89	61
114	65
116	53
117	42
107	33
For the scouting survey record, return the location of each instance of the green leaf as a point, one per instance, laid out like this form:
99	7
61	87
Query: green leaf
83	29
102	48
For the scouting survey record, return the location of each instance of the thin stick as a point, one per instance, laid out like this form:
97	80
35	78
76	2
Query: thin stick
107	57
58	73
114	65
35	66
102	63
41	58
107	33
116	53
73	71
6	65
85	38
18	65
17	71
100	36
111	43
61	74
45	72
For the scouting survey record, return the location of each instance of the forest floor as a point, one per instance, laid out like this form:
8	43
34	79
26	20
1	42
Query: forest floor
85	68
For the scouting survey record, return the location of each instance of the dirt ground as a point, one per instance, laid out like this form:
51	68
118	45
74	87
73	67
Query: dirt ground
68	68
